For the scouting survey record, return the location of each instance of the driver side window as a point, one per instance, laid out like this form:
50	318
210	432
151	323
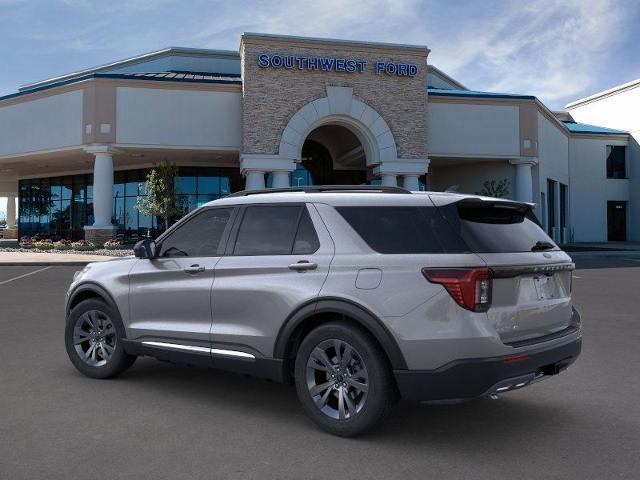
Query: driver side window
200	236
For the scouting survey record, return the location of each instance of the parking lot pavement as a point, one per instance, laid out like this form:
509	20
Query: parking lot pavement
164	421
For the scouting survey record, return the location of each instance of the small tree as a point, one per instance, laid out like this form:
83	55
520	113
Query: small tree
160	200
498	189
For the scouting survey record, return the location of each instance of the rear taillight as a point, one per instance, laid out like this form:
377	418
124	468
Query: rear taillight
469	287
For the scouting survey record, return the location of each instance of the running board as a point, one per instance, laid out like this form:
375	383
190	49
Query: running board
196	349
216	358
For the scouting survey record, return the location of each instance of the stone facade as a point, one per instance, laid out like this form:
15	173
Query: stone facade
272	96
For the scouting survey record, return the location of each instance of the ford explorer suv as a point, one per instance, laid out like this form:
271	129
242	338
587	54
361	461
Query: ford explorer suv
356	295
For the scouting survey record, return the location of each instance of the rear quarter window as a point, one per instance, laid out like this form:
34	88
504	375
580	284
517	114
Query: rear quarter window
497	227
403	229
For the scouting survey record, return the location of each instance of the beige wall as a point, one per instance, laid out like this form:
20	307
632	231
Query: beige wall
272	96
46	123
177	117
470	175
473	129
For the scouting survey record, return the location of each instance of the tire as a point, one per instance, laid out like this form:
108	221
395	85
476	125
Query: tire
363	378
99	354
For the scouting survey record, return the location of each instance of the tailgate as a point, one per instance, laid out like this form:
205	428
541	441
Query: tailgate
531	296
531	288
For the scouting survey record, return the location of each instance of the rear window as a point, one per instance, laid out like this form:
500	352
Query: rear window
403	229
498	227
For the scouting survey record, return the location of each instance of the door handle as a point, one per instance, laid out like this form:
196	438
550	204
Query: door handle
303	265
194	269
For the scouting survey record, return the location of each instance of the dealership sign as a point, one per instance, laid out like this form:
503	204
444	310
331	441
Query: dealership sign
335	64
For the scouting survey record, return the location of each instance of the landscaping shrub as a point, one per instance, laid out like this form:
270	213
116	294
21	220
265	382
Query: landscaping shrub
83	245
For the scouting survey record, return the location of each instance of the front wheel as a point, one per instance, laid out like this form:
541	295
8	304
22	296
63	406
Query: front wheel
343	379
93	338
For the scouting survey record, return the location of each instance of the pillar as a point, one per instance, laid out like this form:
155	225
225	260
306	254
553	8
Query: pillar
524	179
11	212
254	180
102	228
280	179
389	180
254	165
411	182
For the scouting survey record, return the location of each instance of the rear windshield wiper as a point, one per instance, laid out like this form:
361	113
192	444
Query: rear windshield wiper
542	246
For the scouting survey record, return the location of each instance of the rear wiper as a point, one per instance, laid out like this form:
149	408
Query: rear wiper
542	246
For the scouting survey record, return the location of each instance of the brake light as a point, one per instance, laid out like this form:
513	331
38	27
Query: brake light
469	287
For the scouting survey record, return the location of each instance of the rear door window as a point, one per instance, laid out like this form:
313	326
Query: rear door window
276	230
403	229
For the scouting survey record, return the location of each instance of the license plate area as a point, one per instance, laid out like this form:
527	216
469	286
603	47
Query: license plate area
545	286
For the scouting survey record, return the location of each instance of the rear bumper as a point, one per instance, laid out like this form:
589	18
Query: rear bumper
472	378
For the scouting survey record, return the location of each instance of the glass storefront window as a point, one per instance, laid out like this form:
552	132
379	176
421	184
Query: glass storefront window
59	207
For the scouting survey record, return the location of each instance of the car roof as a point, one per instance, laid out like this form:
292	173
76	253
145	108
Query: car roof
341	196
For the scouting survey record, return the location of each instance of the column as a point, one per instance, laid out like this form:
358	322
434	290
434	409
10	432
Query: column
524	179
409	169
254	165
389	180
411	183
102	228
280	179
254	180
11	212
102	190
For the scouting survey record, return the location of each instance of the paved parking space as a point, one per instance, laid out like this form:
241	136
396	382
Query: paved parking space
164	421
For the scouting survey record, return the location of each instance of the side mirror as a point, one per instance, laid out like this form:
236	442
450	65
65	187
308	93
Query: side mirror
145	249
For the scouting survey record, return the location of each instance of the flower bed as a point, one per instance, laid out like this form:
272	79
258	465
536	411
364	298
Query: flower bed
62	245
71	251
83	246
113	245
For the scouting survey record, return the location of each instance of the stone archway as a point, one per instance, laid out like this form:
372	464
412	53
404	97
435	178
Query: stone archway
339	107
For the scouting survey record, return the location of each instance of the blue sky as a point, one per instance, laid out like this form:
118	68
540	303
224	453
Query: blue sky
557	50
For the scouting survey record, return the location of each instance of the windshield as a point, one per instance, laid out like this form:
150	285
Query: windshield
498	227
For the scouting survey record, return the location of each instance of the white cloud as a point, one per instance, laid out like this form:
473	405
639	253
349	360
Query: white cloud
547	48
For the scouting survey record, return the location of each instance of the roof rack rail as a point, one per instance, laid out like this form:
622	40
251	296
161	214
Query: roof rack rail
323	189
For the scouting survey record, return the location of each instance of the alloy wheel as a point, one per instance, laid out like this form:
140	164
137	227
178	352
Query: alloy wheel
94	338
337	379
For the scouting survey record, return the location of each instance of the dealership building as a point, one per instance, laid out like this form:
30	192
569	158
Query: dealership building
281	111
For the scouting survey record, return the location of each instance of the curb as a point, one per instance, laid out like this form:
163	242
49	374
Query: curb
605	253
44	264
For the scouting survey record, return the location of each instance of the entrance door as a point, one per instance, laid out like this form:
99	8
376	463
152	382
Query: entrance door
617	221
317	160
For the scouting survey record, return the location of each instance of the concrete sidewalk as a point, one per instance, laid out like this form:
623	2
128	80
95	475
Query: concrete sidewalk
37	259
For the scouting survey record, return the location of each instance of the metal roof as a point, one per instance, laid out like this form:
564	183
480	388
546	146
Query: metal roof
585	128
187	77
132	61
444	92
176	75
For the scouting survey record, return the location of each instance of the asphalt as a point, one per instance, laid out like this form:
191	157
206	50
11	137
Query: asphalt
163	421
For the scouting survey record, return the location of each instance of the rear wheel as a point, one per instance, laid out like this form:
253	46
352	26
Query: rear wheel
343	379
93	338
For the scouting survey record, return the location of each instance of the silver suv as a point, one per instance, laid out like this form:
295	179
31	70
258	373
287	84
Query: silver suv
357	295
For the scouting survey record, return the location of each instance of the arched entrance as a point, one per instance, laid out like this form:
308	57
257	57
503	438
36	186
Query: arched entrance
349	141
331	155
